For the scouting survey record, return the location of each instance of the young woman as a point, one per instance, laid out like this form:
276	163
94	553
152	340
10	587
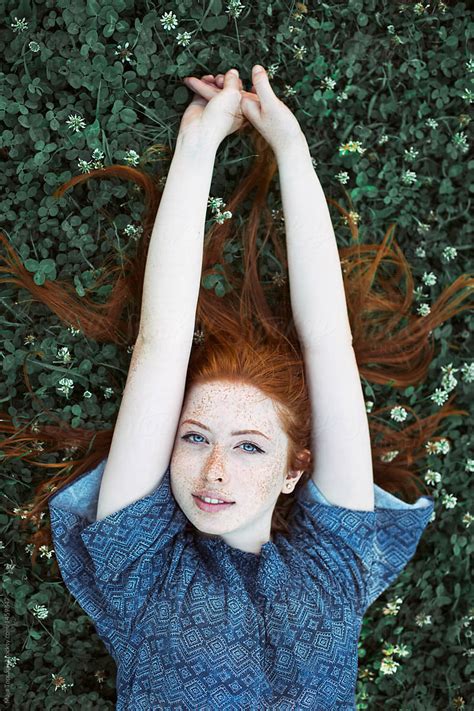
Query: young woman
208	605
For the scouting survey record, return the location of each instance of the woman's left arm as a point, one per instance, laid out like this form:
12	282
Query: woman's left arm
341	443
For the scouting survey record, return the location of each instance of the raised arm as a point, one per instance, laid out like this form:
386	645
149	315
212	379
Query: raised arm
341	442
145	429
151	404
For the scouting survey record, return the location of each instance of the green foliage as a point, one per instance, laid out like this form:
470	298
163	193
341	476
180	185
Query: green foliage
382	92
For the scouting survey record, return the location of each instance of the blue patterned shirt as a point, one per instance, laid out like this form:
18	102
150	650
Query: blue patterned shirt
193	623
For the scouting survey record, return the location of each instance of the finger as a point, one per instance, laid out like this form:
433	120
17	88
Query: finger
262	84
202	88
231	78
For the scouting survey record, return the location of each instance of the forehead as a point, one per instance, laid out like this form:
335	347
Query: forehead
233	400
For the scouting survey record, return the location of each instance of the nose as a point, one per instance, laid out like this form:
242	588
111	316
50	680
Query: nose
215	467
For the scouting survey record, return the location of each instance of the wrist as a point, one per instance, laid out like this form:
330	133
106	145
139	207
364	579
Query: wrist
295	148
197	143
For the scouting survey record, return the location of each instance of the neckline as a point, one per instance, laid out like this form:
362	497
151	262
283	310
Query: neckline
238	551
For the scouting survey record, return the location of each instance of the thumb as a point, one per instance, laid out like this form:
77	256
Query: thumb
261	83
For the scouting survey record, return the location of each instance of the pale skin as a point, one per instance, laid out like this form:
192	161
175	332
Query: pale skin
231	465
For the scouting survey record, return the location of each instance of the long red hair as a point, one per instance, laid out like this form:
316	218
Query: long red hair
245	332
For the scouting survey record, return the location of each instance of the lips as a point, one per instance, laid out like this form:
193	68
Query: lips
213	495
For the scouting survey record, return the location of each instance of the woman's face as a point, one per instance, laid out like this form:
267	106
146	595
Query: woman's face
211	458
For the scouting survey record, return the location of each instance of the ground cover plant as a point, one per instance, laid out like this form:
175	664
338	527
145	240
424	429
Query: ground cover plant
383	92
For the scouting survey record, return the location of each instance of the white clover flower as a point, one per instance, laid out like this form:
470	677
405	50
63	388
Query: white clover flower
299	54
125	54
408	177
85	166
343	96
449	500
183	38
398	413
328	83
60	682
449	253
108	392
169	21
11	661
45	552
467	519
402	650
75	122
389	667
272	70
470	64
449	382
133	231
132	157
289	91
392	608
439	396
234	8
424	309
67	385
411	154
429	278
440	446
34	46
432	477
419	8
383	139
422	620
369	404
389	456
467	371
342	176
460	141
40	611
63	355
19	25
468	95
431	122
418	293
423	228
215	203
443	446
2	545
10	567
469	465
352	147
223	216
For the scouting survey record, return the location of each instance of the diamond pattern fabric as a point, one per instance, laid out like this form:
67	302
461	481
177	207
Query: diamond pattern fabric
193	623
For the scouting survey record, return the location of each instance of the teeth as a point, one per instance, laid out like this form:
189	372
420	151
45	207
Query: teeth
211	501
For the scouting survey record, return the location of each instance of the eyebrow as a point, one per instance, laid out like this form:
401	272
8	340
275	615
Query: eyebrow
238	432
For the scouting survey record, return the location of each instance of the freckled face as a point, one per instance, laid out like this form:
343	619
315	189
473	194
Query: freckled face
230	465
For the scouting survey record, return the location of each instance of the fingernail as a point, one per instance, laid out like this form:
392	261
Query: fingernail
234	71
258	68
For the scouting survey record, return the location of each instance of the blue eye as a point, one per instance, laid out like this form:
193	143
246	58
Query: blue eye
257	450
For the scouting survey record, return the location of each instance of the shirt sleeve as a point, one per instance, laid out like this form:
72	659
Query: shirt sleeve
111	565
357	554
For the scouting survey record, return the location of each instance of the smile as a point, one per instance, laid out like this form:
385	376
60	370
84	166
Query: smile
204	506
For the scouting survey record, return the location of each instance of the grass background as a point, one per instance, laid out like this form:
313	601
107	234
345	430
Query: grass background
383	92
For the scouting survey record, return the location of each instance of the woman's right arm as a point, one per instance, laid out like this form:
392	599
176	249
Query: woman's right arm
152	400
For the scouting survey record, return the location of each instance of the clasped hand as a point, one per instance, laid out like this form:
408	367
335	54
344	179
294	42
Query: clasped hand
220	106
